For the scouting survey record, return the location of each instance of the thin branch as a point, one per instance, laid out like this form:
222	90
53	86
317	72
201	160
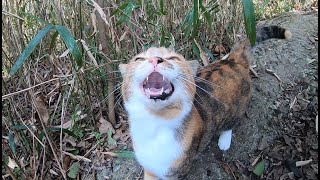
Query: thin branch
10	173
48	139
16	16
23	90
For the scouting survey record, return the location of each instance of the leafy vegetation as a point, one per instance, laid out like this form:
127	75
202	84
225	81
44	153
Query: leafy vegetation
265	9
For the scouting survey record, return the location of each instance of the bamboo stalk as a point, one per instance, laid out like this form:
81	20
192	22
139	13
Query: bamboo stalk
102	40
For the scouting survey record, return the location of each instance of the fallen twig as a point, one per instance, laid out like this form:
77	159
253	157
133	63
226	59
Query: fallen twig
273	73
225	57
234	176
303	163
293	102
77	157
253	71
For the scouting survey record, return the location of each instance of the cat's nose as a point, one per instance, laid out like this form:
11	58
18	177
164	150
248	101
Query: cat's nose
155	60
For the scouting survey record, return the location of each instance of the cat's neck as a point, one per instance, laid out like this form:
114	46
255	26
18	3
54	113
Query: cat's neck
170	116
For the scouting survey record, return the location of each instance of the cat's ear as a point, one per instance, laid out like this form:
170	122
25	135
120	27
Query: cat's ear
194	64
123	69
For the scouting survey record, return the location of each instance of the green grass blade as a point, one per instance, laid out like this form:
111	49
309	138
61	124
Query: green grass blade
20	127
258	170
120	9
162	37
111	141
31	16
67	131
29	49
206	15
172	41
125	154
25	141
209	53
162	8
126	13
195	18
73	170
53	41
196	50
249	20
11	144
38	146
187	23
71	43
53	129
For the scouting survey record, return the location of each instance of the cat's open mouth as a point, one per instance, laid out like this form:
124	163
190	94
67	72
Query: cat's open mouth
156	86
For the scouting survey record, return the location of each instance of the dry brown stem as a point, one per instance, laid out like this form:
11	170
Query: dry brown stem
102	40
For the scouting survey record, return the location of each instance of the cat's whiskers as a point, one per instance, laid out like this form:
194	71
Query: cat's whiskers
187	92
186	85
207	82
118	98
188	81
117	88
183	77
200	79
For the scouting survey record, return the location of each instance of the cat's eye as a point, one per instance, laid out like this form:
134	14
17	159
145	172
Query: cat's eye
173	58
139	59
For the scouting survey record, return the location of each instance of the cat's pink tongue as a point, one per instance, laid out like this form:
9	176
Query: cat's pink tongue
155	77
155	82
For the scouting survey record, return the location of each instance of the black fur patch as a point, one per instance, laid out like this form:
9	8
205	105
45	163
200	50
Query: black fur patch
269	32
244	88
204	99
229	62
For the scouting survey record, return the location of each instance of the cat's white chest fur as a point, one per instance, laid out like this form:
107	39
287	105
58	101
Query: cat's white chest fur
155	144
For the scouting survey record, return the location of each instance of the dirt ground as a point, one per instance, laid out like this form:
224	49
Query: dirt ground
279	125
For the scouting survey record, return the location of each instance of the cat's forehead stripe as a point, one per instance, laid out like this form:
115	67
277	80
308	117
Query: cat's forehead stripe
160	52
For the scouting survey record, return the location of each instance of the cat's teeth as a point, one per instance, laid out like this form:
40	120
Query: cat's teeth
162	78
161	91
147	78
167	91
149	93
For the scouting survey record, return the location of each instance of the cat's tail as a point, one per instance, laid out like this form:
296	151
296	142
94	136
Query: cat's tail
241	51
269	32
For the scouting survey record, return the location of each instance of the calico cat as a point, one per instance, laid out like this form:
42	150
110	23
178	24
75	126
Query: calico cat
175	107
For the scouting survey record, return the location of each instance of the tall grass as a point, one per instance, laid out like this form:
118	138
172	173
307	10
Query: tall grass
60	65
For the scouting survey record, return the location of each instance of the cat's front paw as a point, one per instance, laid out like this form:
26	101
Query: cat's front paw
224	141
